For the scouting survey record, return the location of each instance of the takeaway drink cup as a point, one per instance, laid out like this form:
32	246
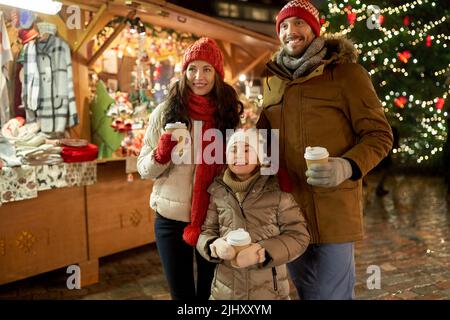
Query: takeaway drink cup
239	239
317	155
180	130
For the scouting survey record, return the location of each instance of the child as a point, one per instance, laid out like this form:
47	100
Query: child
243	198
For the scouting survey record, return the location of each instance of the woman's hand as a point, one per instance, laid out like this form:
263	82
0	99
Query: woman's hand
164	148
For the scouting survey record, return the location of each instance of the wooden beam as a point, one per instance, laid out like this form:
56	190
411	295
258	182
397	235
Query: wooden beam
101	18
184	20
229	62
252	65
80	5
110	40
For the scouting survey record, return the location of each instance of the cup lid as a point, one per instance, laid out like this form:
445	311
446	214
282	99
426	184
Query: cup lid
176	125
316	153
239	237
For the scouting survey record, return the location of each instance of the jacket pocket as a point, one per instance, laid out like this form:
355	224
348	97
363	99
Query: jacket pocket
58	102
339	212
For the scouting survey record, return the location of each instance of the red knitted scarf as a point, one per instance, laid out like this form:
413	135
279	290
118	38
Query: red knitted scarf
201	108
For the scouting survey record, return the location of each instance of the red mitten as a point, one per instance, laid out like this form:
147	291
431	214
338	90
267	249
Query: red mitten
284	181
164	149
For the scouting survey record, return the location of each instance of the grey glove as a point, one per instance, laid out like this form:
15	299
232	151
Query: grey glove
332	174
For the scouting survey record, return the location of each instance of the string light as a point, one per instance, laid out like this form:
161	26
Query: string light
431	126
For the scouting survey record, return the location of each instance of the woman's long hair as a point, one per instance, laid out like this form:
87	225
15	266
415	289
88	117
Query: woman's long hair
224	98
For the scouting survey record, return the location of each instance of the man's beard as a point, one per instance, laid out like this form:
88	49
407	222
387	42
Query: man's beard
294	52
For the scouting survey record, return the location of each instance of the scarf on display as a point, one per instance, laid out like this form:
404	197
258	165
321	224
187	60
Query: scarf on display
201	109
312	57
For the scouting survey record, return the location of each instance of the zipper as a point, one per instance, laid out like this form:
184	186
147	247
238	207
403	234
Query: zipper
232	194
275	281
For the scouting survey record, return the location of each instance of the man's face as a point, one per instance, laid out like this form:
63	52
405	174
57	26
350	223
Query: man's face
295	36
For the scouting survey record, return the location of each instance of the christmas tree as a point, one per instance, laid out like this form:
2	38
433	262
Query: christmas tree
405	46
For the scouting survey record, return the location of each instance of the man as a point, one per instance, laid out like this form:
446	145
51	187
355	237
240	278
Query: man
319	96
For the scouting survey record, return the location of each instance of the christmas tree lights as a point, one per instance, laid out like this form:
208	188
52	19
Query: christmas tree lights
405	49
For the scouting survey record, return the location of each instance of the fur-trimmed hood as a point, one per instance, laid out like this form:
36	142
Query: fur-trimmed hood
339	50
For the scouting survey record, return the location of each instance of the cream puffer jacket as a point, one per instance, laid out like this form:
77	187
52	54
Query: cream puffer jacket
171	196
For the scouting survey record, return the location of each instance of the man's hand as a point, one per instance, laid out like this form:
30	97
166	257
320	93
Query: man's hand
331	174
221	249
250	256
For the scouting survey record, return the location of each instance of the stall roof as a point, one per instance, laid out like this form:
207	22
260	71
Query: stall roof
168	15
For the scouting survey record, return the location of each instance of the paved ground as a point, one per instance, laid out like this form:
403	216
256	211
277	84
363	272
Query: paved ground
407	238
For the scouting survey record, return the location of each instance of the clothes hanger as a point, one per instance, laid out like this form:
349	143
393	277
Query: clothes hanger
46	30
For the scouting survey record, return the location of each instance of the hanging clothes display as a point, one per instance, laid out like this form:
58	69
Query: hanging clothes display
5	57
48	82
25	36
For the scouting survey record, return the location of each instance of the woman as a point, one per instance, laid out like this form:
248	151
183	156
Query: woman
179	197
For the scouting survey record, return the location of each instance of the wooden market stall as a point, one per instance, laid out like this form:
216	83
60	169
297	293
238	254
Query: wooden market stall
78	225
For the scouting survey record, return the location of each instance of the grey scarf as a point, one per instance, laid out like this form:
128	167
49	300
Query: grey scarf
307	62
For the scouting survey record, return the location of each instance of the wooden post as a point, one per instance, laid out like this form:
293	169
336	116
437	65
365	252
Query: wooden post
251	65
102	17
81	88
89	272
108	42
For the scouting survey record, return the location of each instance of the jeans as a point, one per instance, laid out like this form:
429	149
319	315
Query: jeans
177	258
325	272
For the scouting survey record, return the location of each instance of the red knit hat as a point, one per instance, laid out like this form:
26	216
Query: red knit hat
207	50
302	9
27	35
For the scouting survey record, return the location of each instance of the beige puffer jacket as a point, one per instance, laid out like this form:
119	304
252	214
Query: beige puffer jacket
172	189
273	219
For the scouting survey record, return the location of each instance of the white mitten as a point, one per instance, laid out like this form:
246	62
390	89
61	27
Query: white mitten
331	174
221	249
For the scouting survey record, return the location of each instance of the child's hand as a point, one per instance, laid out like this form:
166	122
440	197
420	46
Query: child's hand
221	249
250	256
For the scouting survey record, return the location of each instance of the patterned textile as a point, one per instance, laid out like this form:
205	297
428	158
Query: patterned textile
21	183
17	183
51	176
81	174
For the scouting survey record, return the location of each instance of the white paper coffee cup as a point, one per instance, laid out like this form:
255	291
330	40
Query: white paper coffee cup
239	239
179	129
170	127
316	155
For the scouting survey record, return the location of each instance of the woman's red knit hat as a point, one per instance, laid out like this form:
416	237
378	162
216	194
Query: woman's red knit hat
302	9
207	50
